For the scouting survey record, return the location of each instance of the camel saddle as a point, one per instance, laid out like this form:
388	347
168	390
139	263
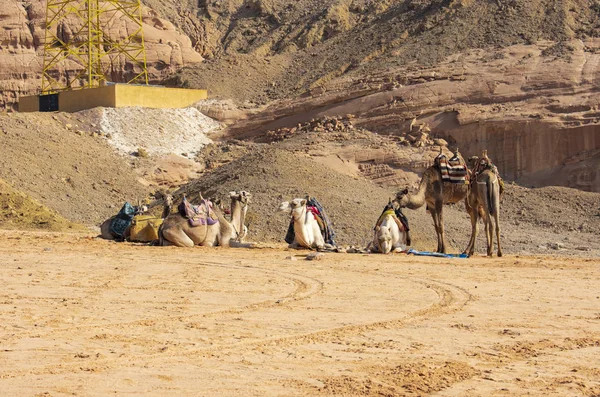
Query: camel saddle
144	228
453	169
120	223
198	215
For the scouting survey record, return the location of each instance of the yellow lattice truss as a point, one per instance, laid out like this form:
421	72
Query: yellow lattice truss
80	51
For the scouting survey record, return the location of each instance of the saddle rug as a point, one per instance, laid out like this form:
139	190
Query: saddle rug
122	220
144	228
197	215
453	169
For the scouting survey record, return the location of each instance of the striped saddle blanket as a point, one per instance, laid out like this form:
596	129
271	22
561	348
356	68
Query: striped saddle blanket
453	169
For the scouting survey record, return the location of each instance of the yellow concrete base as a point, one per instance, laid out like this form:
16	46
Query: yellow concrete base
118	96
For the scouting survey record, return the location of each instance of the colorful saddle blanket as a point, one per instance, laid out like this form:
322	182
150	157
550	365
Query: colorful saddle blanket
197	215
453	169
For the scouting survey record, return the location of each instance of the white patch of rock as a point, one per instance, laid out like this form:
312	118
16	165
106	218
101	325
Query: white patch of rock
158	131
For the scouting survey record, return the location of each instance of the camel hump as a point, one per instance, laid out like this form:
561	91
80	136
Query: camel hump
453	169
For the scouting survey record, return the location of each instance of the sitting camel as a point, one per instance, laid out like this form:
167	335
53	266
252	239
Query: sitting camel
434	193
389	234
307	232
105	232
177	229
483	202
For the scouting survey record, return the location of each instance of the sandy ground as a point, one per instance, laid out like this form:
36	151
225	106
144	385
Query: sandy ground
85	317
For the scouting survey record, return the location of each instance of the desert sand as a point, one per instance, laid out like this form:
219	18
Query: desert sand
86	317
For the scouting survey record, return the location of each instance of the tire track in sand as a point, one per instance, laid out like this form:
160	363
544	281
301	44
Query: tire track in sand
451	298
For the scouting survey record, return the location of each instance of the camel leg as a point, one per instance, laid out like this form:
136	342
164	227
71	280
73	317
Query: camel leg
441	227
489	232
180	239
434	216
497	219
470	250
495	197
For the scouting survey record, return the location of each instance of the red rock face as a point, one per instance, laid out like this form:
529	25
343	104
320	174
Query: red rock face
21	52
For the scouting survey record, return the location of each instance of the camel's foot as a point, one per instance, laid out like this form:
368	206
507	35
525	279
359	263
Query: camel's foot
499	254
326	247
398	250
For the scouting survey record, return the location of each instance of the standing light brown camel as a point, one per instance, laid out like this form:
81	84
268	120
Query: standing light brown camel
177	229
483	201
434	193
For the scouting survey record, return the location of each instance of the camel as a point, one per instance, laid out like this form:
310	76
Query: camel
388	236
105	232
483	201
434	193
176	229
307	232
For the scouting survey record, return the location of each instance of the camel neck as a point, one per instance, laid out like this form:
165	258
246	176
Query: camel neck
418	199
300	217
237	215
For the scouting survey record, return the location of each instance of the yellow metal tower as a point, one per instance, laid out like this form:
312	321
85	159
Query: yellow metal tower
80	52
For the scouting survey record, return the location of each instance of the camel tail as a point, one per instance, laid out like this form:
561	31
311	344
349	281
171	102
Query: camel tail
492	205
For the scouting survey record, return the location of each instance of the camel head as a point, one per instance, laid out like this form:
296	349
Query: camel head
402	198
384	239
217	203
294	207
168	200
472	161
242	196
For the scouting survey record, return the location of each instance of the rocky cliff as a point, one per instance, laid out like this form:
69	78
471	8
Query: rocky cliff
21	53
535	111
